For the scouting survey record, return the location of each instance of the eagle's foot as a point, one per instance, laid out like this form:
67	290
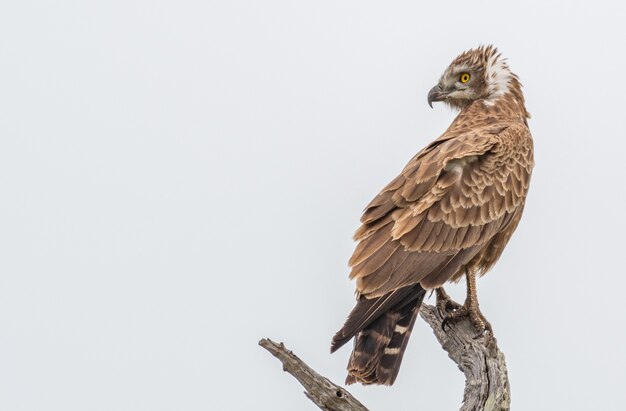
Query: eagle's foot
469	309
445	303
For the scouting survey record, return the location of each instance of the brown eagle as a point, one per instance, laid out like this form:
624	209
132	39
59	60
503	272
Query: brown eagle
449	213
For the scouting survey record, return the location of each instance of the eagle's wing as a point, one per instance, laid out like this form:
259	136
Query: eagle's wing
447	203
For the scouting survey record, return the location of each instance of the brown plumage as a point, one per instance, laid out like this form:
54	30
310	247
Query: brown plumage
451	211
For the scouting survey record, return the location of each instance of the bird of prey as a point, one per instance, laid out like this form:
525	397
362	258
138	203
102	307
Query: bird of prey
449	214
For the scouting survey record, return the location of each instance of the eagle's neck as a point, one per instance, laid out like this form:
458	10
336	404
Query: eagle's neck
504	91
507	107
511	104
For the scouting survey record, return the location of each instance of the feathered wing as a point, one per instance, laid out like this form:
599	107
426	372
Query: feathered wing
445	206
442	211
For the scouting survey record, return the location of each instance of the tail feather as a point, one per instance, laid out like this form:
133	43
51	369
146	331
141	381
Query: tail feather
380	343
392	355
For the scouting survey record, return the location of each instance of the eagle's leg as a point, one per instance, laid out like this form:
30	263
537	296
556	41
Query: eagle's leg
444	302
470	307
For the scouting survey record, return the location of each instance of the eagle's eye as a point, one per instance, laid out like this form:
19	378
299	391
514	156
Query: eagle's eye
464	78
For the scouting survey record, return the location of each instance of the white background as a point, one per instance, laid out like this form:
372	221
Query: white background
180	179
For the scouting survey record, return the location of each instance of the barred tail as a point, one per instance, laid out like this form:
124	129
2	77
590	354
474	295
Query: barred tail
381	335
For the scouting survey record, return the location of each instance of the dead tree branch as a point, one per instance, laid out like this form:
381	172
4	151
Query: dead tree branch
486	380
324	393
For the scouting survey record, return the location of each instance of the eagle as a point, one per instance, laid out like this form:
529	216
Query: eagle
448	215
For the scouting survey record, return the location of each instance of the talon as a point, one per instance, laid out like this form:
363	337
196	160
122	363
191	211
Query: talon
453	305
454	312
479	321
444	323
445	304
454	316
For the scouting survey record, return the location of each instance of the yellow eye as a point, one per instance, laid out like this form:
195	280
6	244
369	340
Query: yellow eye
464	77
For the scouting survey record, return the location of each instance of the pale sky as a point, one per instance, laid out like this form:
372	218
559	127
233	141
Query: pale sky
181	179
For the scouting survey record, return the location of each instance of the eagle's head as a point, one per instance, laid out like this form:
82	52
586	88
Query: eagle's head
478	74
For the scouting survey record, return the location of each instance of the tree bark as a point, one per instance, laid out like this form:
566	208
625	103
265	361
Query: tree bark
324	393
486	381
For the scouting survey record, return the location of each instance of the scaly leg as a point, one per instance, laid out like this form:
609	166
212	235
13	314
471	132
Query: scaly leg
470	307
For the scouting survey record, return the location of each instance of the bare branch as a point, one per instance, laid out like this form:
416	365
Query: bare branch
324	393
486	380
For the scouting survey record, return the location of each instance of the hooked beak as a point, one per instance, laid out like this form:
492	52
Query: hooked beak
436	94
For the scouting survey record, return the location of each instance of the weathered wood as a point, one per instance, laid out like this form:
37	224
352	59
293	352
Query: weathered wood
486	380
324	393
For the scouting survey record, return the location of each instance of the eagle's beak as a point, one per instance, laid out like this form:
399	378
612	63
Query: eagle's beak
435	94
